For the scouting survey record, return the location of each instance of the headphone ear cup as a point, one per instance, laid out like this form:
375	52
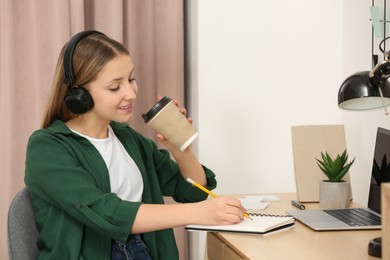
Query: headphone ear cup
78	100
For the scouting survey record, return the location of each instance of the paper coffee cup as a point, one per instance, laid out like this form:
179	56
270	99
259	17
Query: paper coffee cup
165	118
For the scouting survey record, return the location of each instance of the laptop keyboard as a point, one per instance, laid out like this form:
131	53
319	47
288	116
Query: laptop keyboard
355	217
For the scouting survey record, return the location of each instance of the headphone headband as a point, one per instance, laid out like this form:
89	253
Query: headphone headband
68	55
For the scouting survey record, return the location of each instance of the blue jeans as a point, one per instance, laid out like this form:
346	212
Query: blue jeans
135	250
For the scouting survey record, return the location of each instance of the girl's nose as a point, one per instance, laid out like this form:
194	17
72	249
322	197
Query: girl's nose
132	89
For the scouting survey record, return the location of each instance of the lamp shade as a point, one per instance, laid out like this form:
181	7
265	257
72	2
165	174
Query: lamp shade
357	93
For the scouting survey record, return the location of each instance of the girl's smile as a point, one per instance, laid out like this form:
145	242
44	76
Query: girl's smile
127	108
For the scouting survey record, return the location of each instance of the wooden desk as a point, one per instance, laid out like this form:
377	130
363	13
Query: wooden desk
300	242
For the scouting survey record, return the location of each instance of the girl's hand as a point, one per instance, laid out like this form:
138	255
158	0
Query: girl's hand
160	137
220	211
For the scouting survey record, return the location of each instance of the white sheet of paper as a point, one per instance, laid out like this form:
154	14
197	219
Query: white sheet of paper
257	202
252	204
264	198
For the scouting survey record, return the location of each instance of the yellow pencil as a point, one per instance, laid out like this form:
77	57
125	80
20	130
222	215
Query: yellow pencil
212	194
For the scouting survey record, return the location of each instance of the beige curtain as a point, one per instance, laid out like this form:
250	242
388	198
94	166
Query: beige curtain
32	33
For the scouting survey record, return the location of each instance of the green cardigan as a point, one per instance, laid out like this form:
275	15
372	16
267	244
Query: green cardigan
76	214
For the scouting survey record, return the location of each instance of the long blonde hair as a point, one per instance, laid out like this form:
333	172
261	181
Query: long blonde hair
90	56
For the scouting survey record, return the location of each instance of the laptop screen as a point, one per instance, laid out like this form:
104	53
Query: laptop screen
380	168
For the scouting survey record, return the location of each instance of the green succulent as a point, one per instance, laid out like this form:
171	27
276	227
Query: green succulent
334	169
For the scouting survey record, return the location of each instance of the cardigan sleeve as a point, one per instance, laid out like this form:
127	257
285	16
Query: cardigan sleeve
164	171
174	184
62	177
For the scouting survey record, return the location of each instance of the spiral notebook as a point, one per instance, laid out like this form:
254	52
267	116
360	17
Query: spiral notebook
261	224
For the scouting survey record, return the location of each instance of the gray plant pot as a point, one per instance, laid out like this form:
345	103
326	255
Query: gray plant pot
334	195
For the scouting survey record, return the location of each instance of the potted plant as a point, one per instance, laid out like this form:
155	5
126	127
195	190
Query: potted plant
334	192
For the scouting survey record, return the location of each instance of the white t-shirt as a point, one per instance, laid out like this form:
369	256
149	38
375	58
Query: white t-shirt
125	177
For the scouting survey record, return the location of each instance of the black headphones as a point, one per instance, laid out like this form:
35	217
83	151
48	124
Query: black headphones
78	100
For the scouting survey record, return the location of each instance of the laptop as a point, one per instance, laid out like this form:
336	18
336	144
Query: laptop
355	218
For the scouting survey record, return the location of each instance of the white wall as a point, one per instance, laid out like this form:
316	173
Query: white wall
259	67
263	66
360	127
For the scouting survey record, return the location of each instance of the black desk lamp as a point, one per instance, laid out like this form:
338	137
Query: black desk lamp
368	90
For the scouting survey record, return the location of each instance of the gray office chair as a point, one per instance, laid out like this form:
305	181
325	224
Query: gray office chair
22	231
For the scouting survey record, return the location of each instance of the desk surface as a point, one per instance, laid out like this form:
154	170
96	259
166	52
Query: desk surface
301	242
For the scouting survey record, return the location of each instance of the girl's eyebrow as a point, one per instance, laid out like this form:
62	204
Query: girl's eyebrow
118	79
112	81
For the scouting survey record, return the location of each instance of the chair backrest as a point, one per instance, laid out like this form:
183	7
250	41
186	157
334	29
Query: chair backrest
308	141
22	230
